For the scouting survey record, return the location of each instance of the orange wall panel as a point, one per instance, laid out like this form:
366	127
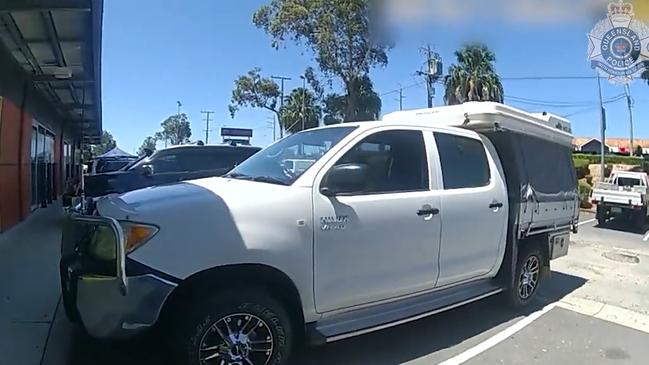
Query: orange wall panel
9	200
25	167
9	139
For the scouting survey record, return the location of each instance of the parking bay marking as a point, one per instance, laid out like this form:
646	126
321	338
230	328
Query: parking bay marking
498	337
586	222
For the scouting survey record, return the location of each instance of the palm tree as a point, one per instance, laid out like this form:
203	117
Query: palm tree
474	77
300	111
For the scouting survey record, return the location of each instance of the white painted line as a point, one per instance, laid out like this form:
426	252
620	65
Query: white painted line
646	237
498	337
586	222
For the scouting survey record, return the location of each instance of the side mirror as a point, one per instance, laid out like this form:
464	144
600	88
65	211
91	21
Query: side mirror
347	178
147	170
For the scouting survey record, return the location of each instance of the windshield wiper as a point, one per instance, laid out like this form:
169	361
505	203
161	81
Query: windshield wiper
270	180
237	175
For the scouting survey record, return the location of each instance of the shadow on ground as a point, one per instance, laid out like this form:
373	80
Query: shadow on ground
624	225
388	347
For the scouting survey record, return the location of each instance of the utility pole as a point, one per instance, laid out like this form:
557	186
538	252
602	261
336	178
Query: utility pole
602	119
303	101
281	101
401	97
629	102
434	70
273	123
207	124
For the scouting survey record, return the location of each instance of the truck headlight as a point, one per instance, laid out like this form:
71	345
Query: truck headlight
103	242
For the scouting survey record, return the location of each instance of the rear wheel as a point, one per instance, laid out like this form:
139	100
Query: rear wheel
640	218
527	279
601	215
233	328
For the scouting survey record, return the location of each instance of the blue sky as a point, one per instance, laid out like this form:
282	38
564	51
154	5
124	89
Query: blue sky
156	52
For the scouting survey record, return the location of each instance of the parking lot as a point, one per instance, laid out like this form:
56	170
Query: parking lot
594	309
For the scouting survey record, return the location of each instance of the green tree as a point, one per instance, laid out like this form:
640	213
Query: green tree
176	130
645	76
474	77
340	34
149	143
254	91
367	108
106	144
301	111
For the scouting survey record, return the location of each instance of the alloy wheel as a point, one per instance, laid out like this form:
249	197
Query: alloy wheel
529	277
236	339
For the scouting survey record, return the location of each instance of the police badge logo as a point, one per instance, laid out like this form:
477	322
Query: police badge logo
619	45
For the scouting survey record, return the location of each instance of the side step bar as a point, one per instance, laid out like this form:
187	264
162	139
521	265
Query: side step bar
366	320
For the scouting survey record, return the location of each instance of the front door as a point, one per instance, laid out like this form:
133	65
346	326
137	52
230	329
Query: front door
377	243
474	208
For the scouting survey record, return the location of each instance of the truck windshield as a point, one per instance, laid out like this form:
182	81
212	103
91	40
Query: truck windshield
285	161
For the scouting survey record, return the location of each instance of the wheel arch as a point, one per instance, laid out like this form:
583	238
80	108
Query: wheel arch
542	242
265	277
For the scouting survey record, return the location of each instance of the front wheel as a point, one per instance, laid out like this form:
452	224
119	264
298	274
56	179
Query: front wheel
527	279
234	328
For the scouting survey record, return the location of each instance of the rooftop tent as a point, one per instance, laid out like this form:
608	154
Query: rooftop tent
116	152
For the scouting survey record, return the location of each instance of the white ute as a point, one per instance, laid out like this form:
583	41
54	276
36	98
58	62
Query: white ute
380	224
624	194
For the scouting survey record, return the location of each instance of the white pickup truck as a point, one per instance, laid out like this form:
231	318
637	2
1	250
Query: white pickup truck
623	195
392	221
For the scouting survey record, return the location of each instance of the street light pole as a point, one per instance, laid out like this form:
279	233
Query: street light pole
602	120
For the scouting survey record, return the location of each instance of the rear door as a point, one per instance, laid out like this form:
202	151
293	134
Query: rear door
473	207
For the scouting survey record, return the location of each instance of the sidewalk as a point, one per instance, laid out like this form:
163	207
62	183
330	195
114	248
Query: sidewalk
29	286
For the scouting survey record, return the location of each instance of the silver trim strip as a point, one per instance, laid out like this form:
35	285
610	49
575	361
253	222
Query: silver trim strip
410	319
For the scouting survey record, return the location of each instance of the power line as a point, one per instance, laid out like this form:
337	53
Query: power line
560	104
523	78
402	88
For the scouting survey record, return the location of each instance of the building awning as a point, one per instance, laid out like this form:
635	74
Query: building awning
57	46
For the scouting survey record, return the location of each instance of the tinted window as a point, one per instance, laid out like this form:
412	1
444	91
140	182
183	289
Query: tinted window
109	166
167	163
396	161
628	181
464	161
214	158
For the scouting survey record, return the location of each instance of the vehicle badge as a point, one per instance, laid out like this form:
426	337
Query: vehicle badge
618	46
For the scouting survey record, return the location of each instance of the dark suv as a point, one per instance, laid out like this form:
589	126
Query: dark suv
169	165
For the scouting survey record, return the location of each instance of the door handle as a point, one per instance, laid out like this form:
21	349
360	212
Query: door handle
495	205
425	212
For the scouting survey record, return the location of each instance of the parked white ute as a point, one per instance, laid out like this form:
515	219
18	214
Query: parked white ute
382	223
624	194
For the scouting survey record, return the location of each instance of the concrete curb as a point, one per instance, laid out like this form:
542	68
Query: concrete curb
618	315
